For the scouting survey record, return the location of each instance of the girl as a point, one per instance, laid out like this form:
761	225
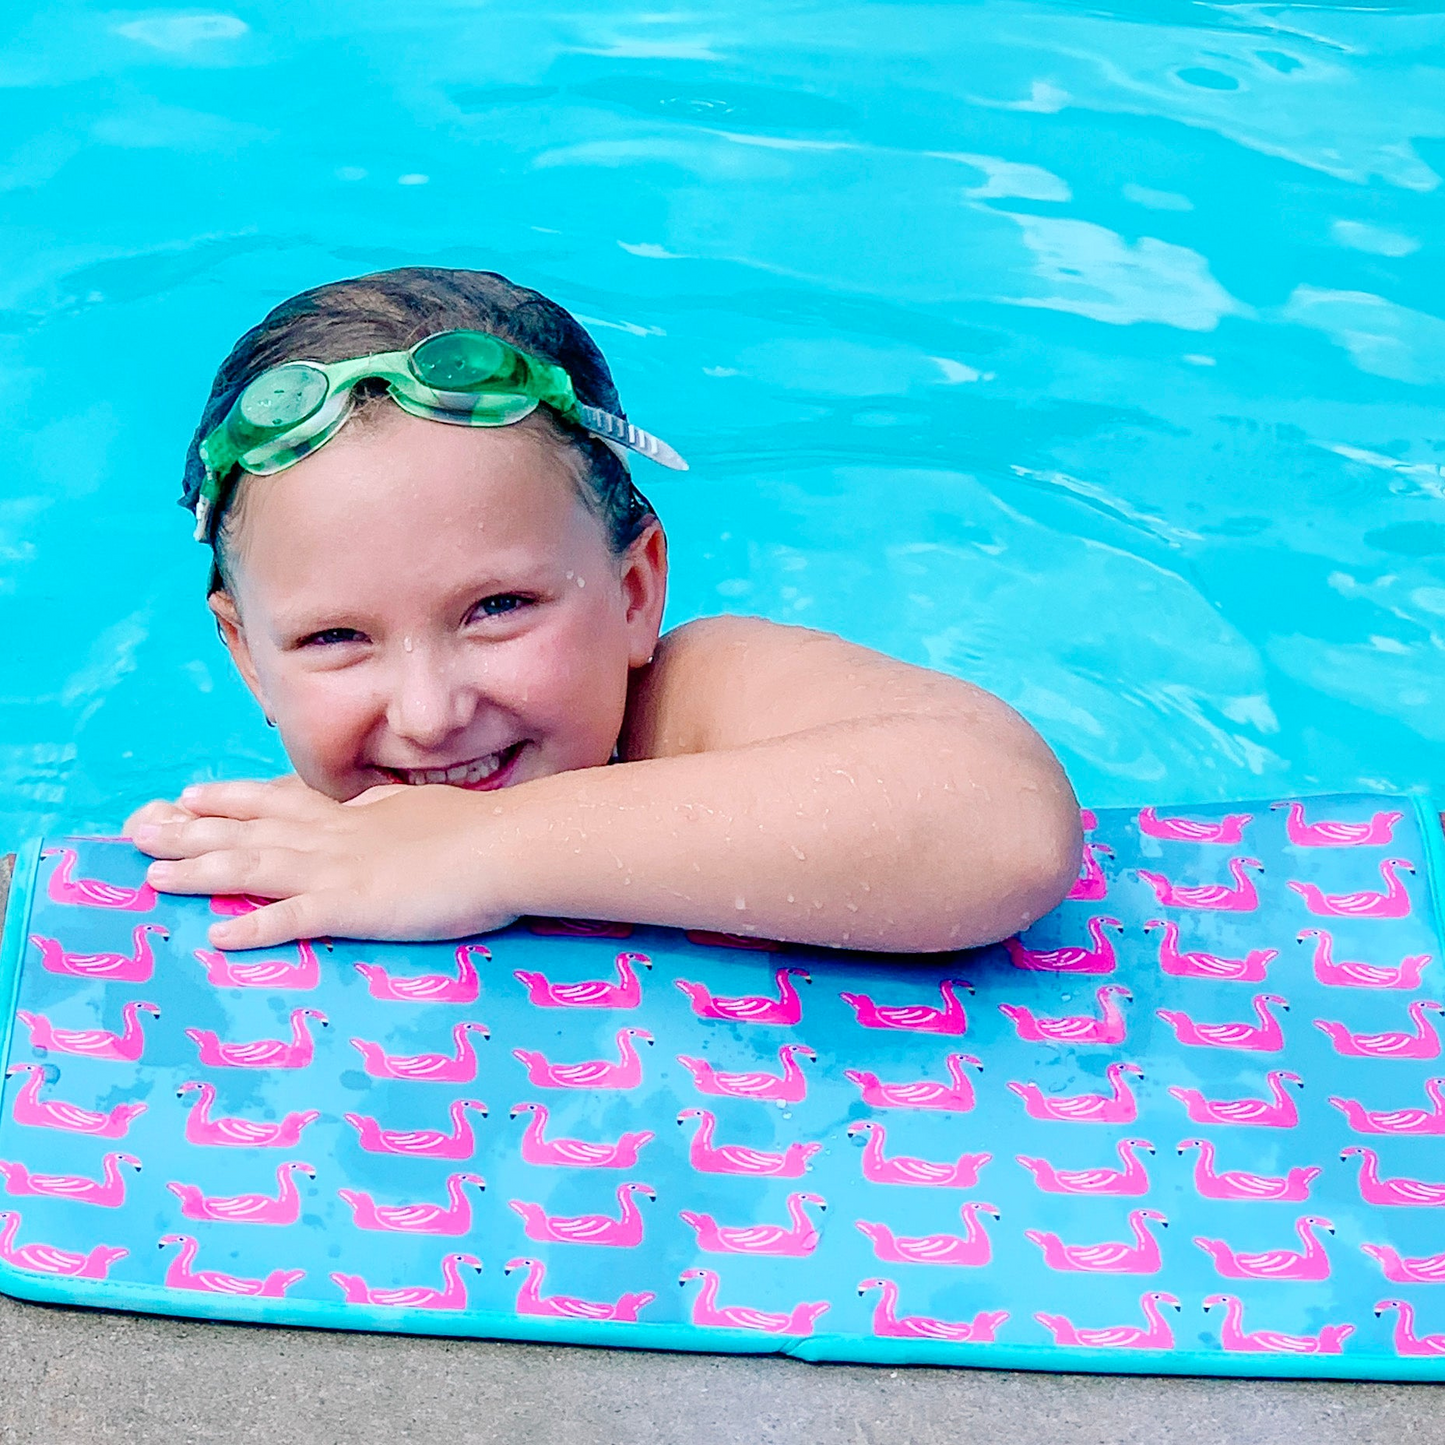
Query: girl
456	627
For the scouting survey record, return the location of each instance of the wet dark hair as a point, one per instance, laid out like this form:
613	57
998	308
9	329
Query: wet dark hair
393	310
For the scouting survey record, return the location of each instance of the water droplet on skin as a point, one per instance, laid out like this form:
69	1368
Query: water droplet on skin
740	902
798	853
790	898
581	581
408	644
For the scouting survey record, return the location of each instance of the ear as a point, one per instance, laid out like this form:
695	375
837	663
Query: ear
644	592
233	634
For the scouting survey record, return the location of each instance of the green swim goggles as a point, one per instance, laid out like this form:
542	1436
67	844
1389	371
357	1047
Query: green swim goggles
465	378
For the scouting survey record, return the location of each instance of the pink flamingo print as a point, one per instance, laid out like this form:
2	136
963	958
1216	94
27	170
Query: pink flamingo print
1292	1188
458	1067
108	1191
1229	830
709	1158
790	1087
1407	1342
1340	974
181	1275
889	1324
451	1296
624	1232
1218	897
48	1259
296	1053
465	987
626	1073
1116	1107
1394	902
577	928
93	892
1073	1028
787	1008
915	1018
1312	1264
1156	1336
237	1133
1252	968
904	1169
1423	1043
457	1143
1088	820
452	1218
957	1094
1098	959
1330	1340
593	993
1276	1112
278	973
1378	832
128	1045
1115	1257
795	1240
135	967
973	1250
798	1321
1397	1121
1131	1179
30	1109
285	1208
531	1301
705	939
237	905
1422	1269
576	1153
1091	886
1265	1037
1374	1190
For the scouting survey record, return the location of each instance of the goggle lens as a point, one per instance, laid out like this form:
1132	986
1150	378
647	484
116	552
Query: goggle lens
461	361
283	397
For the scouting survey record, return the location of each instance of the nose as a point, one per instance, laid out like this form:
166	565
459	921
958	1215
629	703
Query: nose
429	701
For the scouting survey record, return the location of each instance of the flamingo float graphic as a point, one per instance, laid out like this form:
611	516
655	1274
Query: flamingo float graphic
1098	959
1252	968
181	1275
1397	1121
127	1046
274	973
1155	1336
1276	1112
704	938
451	1296
1312	1264
1407	1342
285	1208
108	1191
458	1067
295	1053
1228	830
237	905
1374	1190
93	892
458	1143
576	1153
135	967
1340	974
982	1329
1394	902
904	1169
48	1259
914	1018
1216	897
798	1321
452	1218
239	1133
1422	1269
624	1232
795	1240
1232	1336
790	1087
30	1109
531	1301
1132	1179
957	1094
1293	1188
787	1008
1266	1037
1088	819
1140	1257
1116	1107
1423	1043
709	1158
1378	832
465	987
577	928
593	993
973	1250
626	1073
1074	1028
1091	886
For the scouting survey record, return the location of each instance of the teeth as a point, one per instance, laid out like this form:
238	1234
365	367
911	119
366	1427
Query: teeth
472	772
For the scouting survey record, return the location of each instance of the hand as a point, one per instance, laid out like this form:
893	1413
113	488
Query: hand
397	862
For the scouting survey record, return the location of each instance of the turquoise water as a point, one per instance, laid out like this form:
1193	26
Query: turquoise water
1096	355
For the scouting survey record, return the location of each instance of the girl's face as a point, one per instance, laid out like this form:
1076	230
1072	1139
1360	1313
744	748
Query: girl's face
421	603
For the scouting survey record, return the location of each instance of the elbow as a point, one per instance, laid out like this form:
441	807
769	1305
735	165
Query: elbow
1049	868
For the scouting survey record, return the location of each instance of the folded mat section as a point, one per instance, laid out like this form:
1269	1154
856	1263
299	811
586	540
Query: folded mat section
1193	1121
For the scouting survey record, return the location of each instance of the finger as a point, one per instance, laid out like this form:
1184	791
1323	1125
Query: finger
265	872
190	837
304	915
255	798
376	794
158	810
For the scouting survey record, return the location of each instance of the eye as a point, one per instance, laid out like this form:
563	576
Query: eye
499	604
331	636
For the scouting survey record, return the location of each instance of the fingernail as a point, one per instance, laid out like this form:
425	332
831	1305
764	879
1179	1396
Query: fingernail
146	833
191	791
159	874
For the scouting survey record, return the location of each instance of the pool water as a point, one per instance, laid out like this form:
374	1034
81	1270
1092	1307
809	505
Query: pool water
1094	354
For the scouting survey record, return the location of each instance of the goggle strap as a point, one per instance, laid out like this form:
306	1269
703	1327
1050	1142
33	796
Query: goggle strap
608	427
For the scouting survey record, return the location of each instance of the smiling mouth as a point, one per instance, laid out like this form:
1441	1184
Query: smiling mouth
484	772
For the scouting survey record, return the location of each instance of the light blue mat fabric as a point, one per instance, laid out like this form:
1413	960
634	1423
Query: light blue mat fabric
1193	1121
